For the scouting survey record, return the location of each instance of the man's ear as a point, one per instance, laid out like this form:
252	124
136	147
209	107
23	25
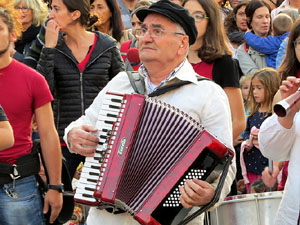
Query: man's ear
184	44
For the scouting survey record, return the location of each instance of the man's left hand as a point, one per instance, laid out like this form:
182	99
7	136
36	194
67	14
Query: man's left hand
53	199
196	193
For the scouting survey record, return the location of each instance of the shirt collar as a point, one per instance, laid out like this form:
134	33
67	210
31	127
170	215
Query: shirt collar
183	72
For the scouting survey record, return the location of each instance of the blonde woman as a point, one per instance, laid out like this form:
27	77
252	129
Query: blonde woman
32	14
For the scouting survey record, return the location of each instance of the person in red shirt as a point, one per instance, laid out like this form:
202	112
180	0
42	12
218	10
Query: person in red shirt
24	93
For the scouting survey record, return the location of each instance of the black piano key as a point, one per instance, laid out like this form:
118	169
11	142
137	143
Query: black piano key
89	189
96	167
111	115
116	100
94	174
87	196
92	180
114	107
108	122
103	136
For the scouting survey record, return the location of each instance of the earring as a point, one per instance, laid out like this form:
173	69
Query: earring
181	46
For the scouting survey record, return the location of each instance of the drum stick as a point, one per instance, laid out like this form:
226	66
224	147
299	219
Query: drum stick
270	162
270	166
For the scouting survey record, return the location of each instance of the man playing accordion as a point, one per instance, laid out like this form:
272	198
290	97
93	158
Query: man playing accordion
164	39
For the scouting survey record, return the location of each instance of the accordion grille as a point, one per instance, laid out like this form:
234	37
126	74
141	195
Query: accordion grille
162	136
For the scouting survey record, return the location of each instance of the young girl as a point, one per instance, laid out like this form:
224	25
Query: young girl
264	84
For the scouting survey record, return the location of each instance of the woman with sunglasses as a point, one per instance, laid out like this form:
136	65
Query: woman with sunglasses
211	57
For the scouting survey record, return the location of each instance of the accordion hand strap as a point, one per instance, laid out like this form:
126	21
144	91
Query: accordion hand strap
215	198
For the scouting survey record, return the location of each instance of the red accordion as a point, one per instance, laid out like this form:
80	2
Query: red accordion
151	149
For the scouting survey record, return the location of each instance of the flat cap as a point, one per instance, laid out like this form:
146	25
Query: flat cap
174	12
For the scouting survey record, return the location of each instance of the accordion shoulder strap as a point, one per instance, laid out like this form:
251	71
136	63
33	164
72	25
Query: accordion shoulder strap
138	84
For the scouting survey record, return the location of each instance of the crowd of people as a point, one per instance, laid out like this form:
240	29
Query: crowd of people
59	58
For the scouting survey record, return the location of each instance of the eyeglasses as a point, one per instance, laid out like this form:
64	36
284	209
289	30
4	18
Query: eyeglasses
199	16
297	44
155	32
23	9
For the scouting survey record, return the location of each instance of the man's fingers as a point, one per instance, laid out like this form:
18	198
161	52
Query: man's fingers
46	206
184	198
54	213
84	150
89	128
83	140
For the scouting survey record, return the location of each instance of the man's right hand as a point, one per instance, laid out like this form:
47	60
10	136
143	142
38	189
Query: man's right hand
268	178
83	140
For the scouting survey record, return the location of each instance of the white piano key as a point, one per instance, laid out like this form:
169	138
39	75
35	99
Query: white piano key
86	185
113	96
88	180
105	118
92	165
110	108
88	174
102	125
80	197
89	170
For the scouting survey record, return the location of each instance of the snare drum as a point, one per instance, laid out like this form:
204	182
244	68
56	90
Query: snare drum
249	209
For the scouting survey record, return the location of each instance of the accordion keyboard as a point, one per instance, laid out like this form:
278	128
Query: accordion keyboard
91	168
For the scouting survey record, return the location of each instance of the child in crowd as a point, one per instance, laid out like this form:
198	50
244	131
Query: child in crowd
245	83
264	84
282	24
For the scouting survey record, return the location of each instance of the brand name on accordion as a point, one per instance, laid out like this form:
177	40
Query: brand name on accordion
122	146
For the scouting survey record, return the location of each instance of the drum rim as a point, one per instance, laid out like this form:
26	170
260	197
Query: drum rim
259	196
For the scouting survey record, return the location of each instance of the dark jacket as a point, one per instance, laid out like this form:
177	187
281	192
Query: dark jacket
22	45
74	91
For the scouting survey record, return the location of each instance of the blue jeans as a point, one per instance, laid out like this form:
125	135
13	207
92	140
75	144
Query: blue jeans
25	207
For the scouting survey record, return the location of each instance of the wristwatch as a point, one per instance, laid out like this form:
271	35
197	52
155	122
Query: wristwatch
59	187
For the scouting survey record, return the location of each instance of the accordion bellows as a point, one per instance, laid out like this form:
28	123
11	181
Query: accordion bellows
149	151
